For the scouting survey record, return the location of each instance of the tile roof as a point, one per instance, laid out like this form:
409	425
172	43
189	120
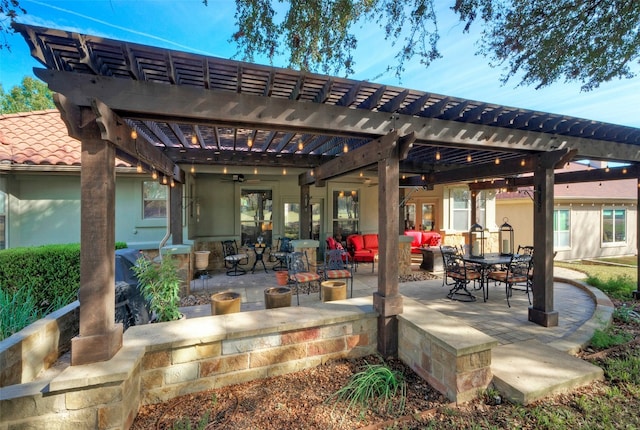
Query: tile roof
38	138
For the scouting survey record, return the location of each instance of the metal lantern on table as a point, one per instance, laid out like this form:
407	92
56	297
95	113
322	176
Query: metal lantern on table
476	241
505	238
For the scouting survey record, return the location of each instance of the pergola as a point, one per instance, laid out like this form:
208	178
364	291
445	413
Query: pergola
190	109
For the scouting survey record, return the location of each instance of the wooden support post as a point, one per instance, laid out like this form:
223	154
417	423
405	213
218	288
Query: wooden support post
100	338
387	300
542	312
175	206
305	212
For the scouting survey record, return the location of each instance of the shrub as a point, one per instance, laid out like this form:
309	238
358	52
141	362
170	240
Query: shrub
619	287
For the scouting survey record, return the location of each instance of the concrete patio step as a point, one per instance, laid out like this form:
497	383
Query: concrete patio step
527	371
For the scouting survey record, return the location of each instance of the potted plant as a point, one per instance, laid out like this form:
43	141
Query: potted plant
160	286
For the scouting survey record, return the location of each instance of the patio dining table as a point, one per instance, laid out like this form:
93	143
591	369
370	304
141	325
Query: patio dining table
485	264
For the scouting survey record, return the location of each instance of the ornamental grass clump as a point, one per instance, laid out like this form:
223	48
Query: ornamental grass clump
376	387
160	286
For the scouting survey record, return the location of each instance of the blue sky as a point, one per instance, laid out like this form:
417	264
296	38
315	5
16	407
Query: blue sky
188	25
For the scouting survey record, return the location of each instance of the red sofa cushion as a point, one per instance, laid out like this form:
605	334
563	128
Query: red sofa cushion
355	242
417	238
431	238
370	241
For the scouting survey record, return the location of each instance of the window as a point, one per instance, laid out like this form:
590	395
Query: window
256	215
409	216
292	220
346	214
614	225
3	215
154	200
561	228
428	219
481	208
460	209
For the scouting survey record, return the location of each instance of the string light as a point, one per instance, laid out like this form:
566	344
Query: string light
173	184
606	169
522	163
361	173
437	155
164	180
422	177
154	174
624	171
284	171
250	142
311	172
193	168
224	170
134	134
469	158
139	167
345	148
300	145
497	160
194	139
255	170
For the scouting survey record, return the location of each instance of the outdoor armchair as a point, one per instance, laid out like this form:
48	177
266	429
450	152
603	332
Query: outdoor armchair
233	258
338	266
300	272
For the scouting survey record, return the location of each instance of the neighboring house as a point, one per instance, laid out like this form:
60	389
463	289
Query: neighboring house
40	202
591	219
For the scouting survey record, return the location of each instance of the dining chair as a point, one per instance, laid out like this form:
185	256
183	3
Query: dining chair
461	276
517	273
525	250
300	272
338	266
279	255
446	249
233	258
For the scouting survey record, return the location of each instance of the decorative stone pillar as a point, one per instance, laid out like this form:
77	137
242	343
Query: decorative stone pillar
310	247
404	255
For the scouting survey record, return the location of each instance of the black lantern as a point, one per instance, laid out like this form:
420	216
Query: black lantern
476	241
505	236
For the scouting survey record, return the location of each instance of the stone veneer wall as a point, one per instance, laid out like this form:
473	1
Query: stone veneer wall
161	361
35	348
452	357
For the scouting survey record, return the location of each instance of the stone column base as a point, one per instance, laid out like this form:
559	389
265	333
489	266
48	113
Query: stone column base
99	347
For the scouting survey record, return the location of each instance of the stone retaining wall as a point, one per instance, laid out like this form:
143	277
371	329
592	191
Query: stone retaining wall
161	361
452	357
35	348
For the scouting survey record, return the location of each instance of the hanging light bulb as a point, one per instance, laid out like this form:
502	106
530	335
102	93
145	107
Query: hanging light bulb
403	177
194	139
361	174
134	134
422	177
469	158
437	155
164	180
154	174
173	184
250	142
345	148
497	160
284	171
522	163
193	168
300	145
255	170
624	171
224	170
311	172
606	169
139	167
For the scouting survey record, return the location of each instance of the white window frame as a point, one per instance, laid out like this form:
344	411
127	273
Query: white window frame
453	210
556	232
602	226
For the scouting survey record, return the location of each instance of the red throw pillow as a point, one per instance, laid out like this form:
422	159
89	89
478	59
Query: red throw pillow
356	242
